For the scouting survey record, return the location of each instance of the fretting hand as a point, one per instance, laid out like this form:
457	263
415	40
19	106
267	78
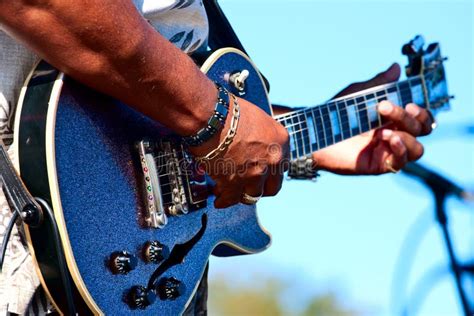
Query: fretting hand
382	150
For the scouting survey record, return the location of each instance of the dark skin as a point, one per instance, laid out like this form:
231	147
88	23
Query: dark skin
109	46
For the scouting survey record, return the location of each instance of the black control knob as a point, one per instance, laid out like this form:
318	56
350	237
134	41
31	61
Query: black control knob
155	252
122	262
139	298
170	289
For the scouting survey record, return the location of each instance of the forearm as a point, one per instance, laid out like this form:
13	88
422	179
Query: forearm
107	45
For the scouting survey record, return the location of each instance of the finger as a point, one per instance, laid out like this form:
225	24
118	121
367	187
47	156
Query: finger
399	152
422	116
273	185
274	180
403	144
399	117
254	188
390	75
228	197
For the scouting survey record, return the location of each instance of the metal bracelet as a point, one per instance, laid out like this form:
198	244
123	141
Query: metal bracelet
215	123
303	169
228	138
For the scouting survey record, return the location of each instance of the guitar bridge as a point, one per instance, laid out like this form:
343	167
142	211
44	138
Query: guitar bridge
154	214
172	184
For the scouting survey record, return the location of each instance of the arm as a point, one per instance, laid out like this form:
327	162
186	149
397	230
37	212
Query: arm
107	45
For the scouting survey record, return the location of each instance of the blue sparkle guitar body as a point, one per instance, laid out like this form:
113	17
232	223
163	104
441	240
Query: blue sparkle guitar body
77	151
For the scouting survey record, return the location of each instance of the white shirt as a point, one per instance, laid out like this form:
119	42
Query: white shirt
183	22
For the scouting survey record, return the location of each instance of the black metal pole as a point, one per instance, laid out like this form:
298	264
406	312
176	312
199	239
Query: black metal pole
440	198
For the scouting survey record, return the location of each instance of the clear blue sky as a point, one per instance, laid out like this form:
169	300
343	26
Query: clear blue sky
346	233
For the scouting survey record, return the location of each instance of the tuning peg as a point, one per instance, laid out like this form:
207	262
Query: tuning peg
414	47
438	61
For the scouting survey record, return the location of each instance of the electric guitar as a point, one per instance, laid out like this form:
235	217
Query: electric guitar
134	218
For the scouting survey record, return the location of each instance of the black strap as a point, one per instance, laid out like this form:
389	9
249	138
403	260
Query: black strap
18	197
221	33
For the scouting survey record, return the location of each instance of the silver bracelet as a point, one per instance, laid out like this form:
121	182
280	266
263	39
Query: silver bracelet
228	138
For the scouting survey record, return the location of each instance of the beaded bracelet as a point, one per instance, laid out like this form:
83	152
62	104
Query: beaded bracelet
228	138
215	123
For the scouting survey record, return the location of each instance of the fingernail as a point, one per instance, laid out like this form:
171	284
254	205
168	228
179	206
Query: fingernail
386	134
397	142
413	110
385	107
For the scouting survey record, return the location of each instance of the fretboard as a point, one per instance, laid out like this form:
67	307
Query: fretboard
315	128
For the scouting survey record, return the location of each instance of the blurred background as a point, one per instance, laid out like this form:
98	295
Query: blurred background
355	245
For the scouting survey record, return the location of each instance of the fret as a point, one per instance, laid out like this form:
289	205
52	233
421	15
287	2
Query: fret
306	147
291	132
354	120
372	113
410	91
318	118
344	119
296	135
381	95
405	93
417	92
393	95
335	122
311	130
329	135
363	116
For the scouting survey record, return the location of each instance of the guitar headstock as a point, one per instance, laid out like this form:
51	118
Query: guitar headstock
428	65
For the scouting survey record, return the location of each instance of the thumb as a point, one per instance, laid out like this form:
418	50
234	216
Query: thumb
390	75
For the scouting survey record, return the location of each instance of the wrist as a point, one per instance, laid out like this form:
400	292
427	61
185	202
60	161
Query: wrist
198	113
319	161
215	122
215	140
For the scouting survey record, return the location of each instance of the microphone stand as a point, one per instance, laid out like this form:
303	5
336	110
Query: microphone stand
440	193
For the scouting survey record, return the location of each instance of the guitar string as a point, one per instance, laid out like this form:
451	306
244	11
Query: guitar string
326	117
399	92
298	113
301	140
362	93
329	129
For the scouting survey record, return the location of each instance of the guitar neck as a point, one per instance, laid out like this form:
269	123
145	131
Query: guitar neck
315	128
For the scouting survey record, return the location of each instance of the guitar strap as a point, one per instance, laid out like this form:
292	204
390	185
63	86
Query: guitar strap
221	33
